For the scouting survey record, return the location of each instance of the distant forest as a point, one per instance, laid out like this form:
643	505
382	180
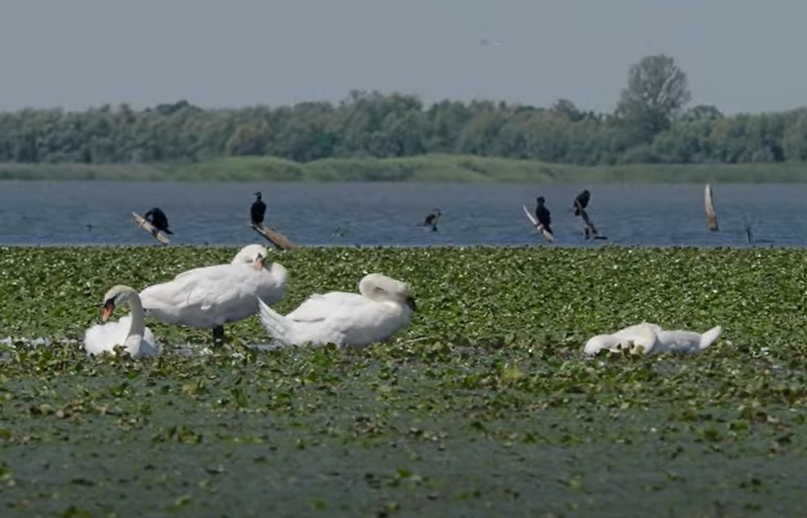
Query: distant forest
652	123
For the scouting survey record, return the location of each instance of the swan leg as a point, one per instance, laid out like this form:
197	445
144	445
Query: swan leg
218	335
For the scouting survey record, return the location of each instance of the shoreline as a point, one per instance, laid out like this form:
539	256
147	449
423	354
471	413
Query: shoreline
414	169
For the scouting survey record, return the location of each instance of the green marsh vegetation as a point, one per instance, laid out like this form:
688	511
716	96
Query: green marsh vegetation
483	406
653	134
422	168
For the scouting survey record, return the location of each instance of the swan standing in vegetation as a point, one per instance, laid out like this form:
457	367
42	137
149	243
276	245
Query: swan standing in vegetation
129	332
653	340
382	307
211	296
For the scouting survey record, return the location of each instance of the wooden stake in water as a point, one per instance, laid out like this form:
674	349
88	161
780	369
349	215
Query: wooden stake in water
540	228
276	238
711	216
148	227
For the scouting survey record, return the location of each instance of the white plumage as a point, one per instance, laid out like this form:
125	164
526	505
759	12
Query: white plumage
212	296
382	307
653	340
129	332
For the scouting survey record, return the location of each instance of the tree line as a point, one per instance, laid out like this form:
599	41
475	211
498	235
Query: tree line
652	123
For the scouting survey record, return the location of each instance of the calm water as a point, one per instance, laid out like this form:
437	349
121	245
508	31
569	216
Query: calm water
79	213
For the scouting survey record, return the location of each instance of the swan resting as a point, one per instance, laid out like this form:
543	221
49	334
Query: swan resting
129	331
646	338
211	296
382	307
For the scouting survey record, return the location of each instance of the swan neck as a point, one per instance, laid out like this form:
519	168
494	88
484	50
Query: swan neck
138	326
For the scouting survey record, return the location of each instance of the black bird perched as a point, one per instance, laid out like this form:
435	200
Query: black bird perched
431	219
542	214
158	219
258	210
582	200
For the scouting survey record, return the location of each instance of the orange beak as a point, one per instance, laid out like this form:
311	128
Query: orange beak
258	263
106	312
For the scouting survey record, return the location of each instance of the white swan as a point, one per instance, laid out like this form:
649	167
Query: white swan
383	307
129	332
686	342
653	340
631	338
211	296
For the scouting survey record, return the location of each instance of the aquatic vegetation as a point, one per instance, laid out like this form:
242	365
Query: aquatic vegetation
485	405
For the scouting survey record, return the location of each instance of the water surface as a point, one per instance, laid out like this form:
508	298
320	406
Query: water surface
388	214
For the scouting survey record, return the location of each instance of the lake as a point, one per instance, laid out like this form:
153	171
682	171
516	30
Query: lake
389	214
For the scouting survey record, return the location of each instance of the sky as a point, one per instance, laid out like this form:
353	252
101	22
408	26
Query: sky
739	55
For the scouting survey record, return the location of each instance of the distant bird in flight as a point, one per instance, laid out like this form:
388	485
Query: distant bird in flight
258	210
158	219
542	214
432	218
581	199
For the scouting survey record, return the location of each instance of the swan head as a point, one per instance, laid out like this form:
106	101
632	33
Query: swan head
380	287
116	296
251	254
597	343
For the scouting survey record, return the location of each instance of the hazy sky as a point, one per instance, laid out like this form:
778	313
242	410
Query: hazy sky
741	55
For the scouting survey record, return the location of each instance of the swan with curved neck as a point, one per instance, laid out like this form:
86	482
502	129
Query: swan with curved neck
211	296
382	307
130	331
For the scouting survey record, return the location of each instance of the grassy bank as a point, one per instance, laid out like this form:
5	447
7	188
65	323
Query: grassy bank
484	406
427	168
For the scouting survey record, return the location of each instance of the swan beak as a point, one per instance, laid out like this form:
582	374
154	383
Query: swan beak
410	301
106	312
258	263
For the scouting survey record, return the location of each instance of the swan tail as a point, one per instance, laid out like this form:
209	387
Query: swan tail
275	324
710	337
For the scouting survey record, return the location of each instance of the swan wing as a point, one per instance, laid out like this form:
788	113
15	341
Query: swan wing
335	304
347	319
271	284
207	297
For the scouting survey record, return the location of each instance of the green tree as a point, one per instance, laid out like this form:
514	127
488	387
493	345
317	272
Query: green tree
656	92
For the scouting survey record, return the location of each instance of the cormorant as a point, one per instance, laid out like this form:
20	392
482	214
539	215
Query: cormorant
582	199
431	219
258	210
542	214
158	219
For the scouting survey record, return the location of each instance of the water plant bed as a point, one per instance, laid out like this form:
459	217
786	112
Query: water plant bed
484	406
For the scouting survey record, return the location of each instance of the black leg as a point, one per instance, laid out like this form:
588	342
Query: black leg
218	336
